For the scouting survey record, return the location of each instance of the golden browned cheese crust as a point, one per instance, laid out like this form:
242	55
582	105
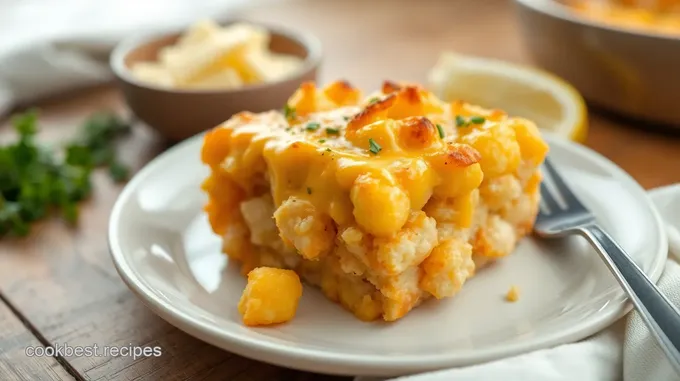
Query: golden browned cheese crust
382	201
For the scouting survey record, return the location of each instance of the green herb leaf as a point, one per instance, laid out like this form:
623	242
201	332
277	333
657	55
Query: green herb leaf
289	112
373	146
477	119
34	199
79	155
460	121
309	190
11	221
373	100
440	129
74	184
103	156
26	124
34	180
332	131
118	172
312	126
25	153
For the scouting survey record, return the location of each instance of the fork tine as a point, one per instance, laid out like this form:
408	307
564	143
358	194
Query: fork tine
543	210
548	200
562	187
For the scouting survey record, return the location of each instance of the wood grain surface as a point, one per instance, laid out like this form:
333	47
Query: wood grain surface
15	364
61	281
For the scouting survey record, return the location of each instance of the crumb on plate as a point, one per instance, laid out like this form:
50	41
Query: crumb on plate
271	296
513	294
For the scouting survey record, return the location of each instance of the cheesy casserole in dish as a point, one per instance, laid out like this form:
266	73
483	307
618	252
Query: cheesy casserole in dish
661	16
382	201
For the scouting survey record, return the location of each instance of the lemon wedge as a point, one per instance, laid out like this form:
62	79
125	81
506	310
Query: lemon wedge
550	102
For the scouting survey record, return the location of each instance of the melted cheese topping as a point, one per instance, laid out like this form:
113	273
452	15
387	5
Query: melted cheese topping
372	160
654	15
382	200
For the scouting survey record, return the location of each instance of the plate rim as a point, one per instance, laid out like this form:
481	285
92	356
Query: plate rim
364	364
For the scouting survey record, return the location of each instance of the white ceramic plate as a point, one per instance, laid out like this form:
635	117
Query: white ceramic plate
165	251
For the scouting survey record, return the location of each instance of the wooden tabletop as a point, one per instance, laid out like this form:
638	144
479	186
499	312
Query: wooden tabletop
59	285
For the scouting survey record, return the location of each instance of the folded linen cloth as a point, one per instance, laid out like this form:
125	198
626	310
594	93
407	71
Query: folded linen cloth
50	46
623	352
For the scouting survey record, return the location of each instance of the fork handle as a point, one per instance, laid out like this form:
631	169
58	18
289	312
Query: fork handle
662	318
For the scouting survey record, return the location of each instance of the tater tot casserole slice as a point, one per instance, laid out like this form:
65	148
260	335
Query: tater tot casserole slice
381	200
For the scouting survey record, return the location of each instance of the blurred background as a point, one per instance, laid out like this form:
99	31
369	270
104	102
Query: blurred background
48	46
622	55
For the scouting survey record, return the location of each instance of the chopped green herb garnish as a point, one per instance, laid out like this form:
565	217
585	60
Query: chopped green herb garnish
477	119
35	180
460	121
322	140
328	150
118	172
346	118
373	146
289	112
79	155
313	126
309	190
332	131
440	129
373	100
26	125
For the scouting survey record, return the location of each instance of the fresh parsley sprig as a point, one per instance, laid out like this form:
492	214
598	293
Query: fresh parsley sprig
35	180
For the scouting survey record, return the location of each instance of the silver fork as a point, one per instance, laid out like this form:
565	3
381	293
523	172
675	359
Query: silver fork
559	219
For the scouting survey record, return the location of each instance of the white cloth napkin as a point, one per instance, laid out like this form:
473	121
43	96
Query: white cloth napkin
623	352
48	46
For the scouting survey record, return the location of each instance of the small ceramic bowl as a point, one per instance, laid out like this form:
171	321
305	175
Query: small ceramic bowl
630	71
179	113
